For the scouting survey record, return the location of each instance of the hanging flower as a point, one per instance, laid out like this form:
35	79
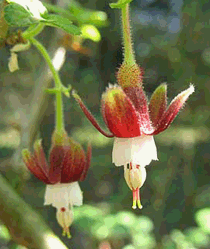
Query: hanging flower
133	123
68	164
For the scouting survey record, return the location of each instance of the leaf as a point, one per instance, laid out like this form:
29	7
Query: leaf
34	7
18	16
61	22
120	4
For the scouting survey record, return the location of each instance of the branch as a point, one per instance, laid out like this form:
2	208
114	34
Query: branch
26	226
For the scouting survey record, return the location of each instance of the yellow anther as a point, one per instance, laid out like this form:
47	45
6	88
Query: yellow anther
134	204
139	204
68	235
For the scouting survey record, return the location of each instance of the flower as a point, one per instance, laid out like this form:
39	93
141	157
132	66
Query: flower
133	122
68	165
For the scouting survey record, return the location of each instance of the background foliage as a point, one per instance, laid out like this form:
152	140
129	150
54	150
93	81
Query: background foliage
171	40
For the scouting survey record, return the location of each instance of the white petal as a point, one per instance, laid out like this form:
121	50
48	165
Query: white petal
63	194
138	150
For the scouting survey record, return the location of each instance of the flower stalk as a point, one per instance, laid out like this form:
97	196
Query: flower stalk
129	57
58	85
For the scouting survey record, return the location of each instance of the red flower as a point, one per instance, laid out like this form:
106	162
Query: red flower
133	122
68	164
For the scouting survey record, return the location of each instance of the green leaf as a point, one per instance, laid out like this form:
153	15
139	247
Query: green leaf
18	16
61	22
120	4
34	7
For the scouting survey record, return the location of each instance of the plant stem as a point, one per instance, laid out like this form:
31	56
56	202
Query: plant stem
58	85
31	32
129	57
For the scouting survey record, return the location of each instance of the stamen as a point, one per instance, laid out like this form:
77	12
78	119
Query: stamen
65	228
138	199
139	204
134	199
66	233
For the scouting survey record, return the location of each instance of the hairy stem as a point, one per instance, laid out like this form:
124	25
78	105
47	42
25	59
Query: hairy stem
129	57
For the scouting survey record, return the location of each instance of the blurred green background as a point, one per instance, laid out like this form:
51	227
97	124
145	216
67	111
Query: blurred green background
171	41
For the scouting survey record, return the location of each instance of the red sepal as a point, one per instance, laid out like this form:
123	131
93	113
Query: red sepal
158	104
173	109
34	167
56	159
119	113
39	156
138	98
89	115
74	163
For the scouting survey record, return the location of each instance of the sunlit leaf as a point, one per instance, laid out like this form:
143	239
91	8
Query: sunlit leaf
23	12
18	16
